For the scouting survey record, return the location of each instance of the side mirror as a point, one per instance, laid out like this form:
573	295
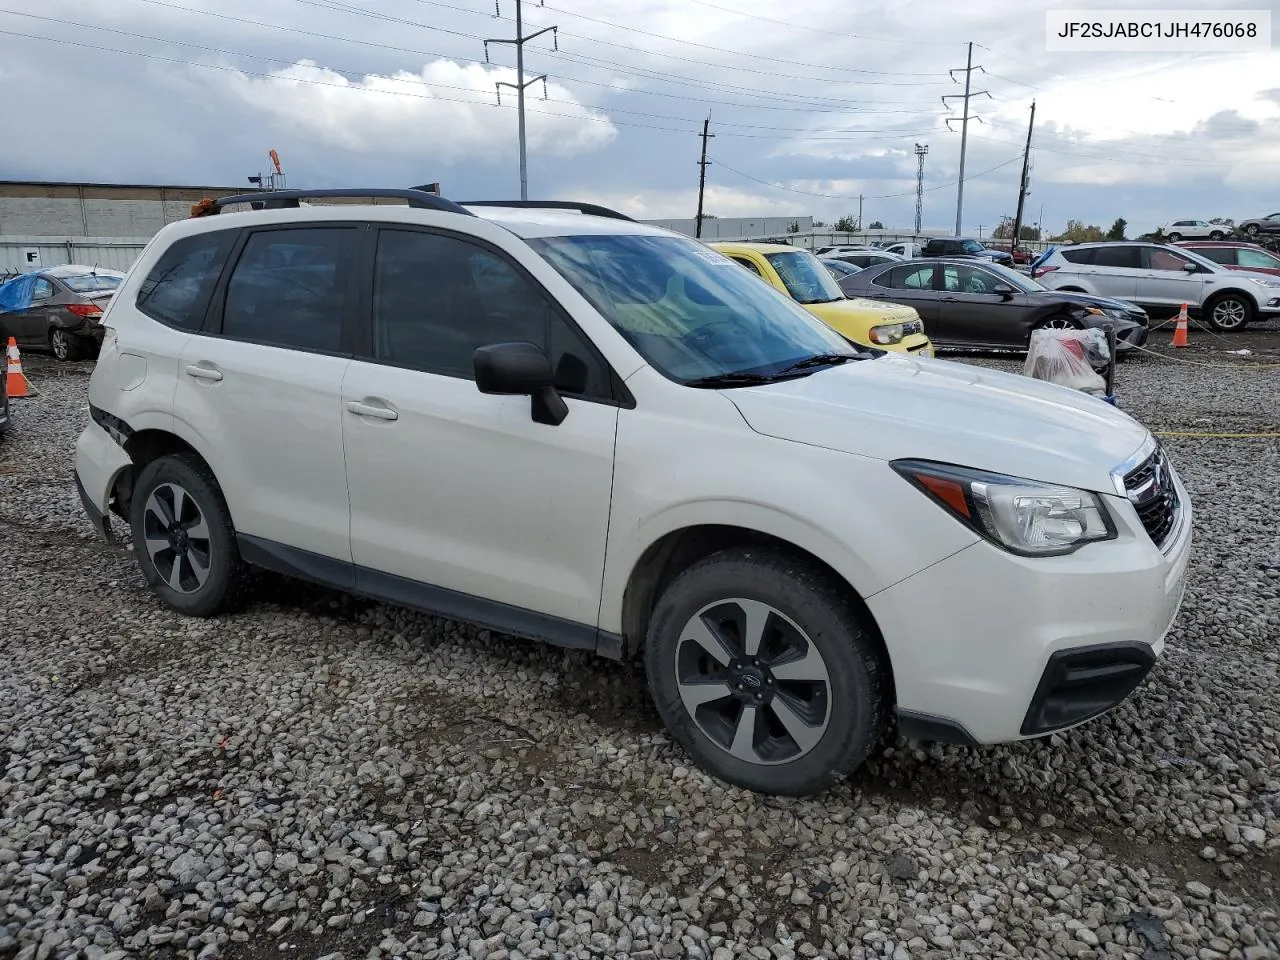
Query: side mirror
1191	267
520	369
1003	290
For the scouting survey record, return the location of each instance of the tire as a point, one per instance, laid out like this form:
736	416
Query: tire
65	346
225	574
1216	235
1251	230
1058	321
840	709
1229	312
1175	237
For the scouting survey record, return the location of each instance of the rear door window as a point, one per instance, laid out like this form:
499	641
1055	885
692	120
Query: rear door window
1118	256
907	277
177	290
289	288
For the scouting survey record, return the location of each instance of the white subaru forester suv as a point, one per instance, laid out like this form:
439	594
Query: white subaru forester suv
562	424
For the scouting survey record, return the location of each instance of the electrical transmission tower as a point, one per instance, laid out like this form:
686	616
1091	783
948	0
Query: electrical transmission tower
521	83
922	150
968	69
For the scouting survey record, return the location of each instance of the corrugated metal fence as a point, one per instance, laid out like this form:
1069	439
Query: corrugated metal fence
18	254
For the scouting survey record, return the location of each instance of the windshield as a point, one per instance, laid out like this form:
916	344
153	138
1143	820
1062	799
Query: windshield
972	246
91	283
804	277
1257	258
689	311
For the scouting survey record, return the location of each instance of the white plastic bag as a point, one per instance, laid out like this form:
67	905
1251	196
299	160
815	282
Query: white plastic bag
1069	358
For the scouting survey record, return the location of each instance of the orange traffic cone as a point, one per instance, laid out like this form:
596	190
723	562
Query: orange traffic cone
1180	331
16	382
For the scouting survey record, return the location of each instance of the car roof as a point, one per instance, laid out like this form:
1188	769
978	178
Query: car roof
534	222
77	270
525	222
1217	243
748	246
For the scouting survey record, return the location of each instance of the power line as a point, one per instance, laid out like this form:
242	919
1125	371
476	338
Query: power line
441	56
887	196
828	33
225	68
688	43
848	135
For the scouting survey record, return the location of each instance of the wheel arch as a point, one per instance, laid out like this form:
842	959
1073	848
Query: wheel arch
675	551
144	447
1228	291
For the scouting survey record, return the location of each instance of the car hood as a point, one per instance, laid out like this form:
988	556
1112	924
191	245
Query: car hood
1087	300
1270	271
897	407
861	310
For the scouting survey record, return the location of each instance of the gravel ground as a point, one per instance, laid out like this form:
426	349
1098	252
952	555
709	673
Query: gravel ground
321	776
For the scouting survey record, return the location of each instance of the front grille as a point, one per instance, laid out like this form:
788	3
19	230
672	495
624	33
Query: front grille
1151	490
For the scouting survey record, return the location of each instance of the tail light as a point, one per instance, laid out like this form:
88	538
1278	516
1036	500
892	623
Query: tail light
84	309
1038	272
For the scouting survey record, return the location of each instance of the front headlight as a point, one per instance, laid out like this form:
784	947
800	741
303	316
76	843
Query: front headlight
1265	283
1022	516
888	333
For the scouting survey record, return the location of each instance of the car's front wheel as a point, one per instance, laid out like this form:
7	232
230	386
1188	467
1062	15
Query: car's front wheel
1228	312
1216	235
762	669
1175	237
183	538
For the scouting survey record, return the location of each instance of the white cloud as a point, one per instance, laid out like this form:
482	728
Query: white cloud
448	112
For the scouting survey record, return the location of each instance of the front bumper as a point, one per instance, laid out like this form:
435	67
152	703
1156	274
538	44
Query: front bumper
988	647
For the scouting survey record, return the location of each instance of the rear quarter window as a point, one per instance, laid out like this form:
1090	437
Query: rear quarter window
176	291
1078	256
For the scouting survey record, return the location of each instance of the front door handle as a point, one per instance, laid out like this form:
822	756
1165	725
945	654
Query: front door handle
379	411
202	371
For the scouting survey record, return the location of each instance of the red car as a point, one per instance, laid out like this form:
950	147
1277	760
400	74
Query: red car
1235	256
1020	254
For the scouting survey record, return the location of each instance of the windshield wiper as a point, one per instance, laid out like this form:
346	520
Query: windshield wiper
731	380
818	360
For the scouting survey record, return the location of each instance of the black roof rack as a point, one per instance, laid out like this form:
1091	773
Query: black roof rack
587	208
279	199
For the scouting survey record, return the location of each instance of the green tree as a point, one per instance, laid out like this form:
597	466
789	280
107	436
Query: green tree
1078	232
1117	229
876	225
794	227
1029	233
845	225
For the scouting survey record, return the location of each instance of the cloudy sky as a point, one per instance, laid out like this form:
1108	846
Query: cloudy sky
812	103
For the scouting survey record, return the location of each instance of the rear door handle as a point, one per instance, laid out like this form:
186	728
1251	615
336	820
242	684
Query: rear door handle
376	410
202	371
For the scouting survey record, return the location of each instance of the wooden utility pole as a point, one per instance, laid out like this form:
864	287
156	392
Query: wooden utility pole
1022	187
702	176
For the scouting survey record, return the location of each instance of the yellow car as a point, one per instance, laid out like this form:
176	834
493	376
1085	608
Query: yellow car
801	275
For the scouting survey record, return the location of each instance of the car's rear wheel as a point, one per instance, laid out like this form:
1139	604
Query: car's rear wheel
1229	312
65	346
1175	237
762	670
1251	229
183	538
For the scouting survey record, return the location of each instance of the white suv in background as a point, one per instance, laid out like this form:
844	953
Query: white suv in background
1196	230
560	423
1161	278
